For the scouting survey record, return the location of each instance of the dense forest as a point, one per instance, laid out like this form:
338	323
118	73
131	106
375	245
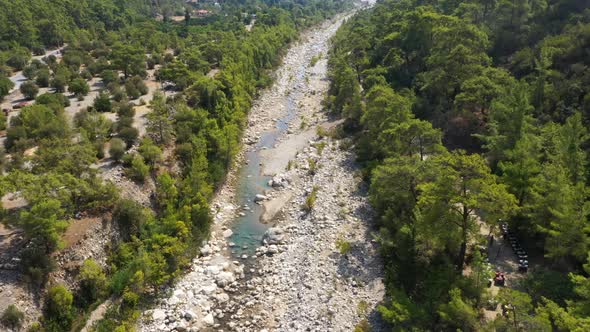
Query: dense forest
468	115
192	135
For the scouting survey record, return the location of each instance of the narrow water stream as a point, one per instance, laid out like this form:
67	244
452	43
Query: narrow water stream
248	228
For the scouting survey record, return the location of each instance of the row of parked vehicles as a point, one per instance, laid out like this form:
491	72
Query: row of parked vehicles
523	257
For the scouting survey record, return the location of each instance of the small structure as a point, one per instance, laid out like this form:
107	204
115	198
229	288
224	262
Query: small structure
202	12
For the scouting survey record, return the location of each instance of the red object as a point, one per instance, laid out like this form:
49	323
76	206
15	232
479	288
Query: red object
20	105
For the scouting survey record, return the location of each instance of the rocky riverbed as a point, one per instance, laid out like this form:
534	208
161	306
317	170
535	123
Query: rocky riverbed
315	269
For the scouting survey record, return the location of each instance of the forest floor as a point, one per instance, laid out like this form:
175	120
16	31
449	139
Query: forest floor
300	278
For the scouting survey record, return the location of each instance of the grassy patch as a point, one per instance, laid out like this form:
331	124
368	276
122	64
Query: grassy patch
343	246
310	199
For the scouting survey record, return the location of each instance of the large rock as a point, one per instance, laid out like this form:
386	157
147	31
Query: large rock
222	297
209	289
227	233
212	270
158	314
208	320
278	181
225	278
259	198
179	293
274	235
273	249
206	250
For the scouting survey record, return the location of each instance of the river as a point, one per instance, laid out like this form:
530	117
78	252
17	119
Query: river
227	286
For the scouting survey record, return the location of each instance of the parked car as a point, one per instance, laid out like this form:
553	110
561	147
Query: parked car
20	105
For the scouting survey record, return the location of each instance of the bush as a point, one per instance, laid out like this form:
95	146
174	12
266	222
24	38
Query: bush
150	152
125	110
93	281
79	87
129	135
139	170
363	326
130	299
29	89
5	86
313	166
129	216
30	72
135	87
35	327
58	309
59	83
12	318
109	76
117	149
119	95
86	74
310	200
102	102
53	100
343	246
42	79
3	121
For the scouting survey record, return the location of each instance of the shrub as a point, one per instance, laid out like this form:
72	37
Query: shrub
363	326
129	135
102	102
119	94
125	110
53	100
42	79
130	216
12	318
79	87
320	147
93	281
135	87
3	121
150	152
59	83
29	89
117	149
109	76
132	91
58	309
5	86
127	159
130	299
343	246
86	74
313	166
30	72
310	200
314	60
138	170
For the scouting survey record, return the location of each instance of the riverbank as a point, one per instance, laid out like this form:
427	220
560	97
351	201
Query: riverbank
233	286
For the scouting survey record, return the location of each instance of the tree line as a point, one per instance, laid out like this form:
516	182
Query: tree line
465	113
